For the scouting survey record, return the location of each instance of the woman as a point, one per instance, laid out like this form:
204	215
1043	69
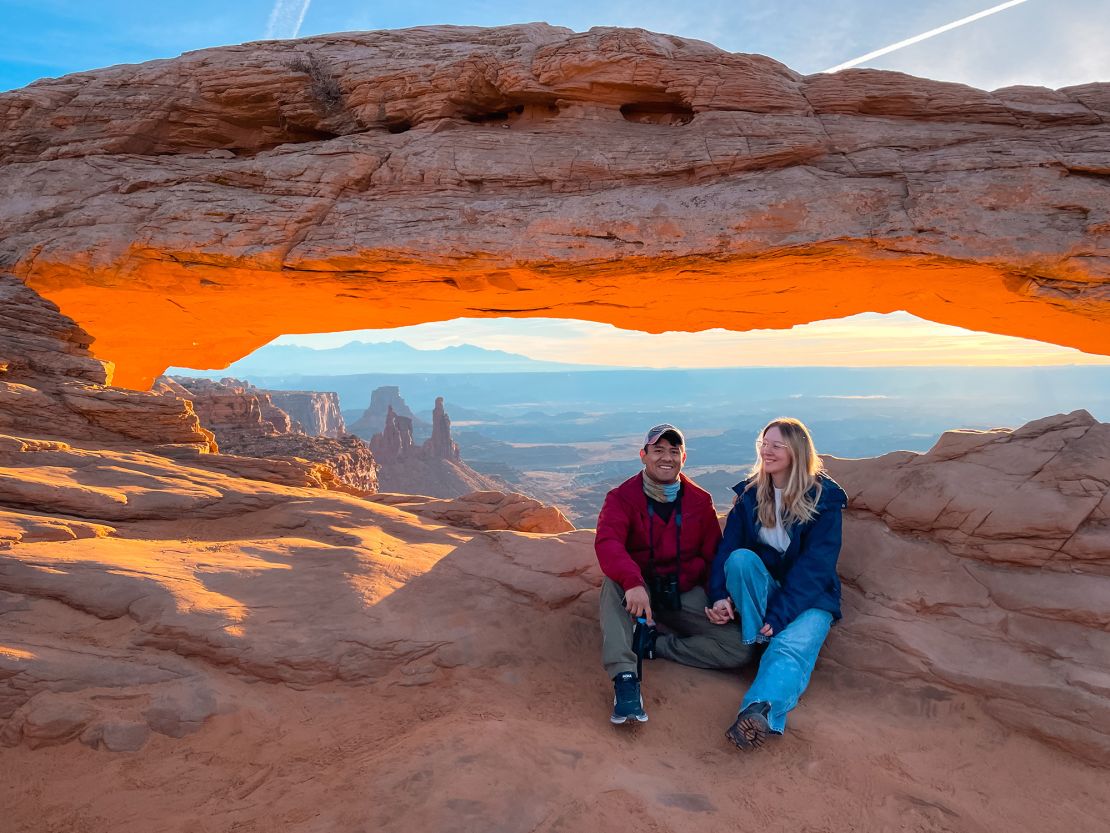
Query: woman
776	570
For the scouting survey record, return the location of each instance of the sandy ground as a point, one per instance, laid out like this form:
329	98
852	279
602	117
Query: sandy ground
527	747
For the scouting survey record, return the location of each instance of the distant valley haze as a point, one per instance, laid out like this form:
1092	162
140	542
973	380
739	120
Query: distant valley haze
566	432
545	344
278	359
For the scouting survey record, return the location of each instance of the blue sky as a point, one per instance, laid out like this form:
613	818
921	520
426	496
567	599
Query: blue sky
1045	42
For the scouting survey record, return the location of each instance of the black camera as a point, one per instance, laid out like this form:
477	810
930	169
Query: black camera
664	592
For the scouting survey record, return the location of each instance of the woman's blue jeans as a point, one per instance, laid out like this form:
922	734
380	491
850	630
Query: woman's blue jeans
791	654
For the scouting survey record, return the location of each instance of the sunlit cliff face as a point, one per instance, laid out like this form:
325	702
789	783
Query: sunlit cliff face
386	179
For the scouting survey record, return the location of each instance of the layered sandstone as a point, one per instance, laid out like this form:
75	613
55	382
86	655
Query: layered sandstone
317	412
433	468
302	186
484	510
984	566
184	607
246	422
52	386
231	408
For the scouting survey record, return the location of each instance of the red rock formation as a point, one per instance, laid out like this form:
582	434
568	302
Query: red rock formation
317	412
133	579
394	443
231	408
484	510
246	422
52	386
440	445
532	171
373	419
984	566
433	468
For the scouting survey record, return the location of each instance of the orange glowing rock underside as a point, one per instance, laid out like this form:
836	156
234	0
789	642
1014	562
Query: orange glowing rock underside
207	317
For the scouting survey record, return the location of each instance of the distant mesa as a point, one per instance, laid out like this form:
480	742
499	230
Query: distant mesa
434	468
382	400
317	412
287	362
246	421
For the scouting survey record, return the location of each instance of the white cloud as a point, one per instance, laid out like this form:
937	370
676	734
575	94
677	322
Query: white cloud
286	18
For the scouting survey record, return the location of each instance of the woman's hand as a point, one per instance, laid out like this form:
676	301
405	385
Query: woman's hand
767	630
721	613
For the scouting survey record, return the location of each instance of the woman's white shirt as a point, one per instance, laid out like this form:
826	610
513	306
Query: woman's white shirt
777	535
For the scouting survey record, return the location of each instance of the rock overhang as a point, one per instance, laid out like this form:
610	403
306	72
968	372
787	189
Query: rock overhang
188	211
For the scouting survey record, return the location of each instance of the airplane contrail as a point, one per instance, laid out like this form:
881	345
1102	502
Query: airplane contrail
284	15
926	35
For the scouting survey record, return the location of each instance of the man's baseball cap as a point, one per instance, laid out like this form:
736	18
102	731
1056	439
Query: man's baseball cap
654	433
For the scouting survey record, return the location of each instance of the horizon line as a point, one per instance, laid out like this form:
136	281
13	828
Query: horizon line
177	371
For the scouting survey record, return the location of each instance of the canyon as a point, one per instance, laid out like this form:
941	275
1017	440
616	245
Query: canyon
248	421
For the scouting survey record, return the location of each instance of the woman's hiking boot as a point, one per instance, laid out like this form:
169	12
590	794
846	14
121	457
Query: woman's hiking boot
751	728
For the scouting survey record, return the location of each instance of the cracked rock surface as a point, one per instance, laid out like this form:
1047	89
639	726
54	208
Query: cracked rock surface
984	564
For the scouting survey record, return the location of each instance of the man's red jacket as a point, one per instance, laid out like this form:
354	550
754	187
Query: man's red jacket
623	530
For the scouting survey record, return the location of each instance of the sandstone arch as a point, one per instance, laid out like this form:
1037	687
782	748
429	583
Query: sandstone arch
188	211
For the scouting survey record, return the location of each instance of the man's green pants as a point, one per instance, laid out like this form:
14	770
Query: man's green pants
693	639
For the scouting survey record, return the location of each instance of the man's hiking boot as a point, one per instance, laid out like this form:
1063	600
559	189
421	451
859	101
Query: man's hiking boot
627	702
751	728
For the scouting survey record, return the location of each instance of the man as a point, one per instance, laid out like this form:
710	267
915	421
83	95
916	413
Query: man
656	537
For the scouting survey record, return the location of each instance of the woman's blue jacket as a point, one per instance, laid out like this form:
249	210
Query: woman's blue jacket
806	572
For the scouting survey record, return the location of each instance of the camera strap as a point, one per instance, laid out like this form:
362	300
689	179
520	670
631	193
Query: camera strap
677	535
639	633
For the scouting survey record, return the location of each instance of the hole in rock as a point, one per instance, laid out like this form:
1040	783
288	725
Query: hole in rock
555	409
398	126
527	111
495	116
654	112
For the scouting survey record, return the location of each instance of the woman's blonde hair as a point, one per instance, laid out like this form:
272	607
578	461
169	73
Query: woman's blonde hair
798	504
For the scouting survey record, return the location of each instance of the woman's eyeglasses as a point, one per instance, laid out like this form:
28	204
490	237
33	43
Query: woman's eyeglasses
764	445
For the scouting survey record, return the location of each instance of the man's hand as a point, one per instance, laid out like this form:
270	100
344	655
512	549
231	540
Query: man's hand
638	603
721	613
767	630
